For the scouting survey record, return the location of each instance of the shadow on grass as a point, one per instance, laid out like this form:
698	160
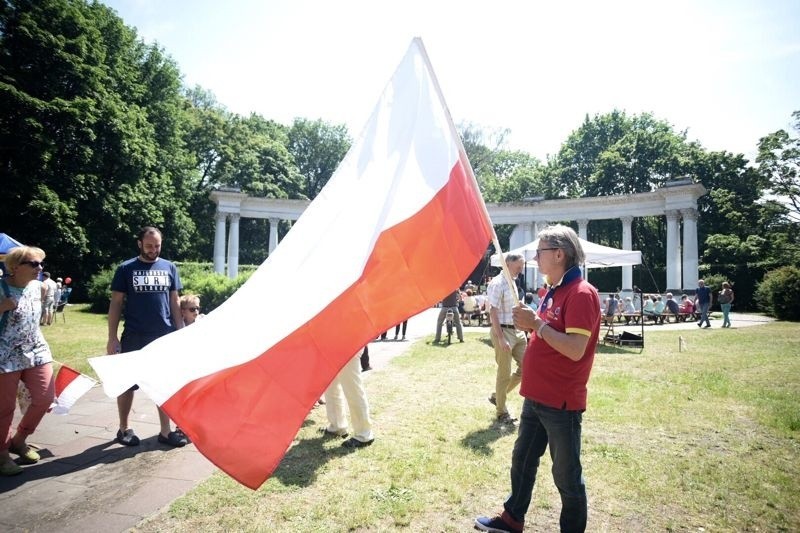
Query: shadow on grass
487	341
479	441
610	348
300	464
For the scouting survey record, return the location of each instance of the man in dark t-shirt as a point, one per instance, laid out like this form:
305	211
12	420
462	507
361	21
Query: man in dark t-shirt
147	287
703	296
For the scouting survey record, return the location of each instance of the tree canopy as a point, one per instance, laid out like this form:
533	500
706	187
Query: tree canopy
98	136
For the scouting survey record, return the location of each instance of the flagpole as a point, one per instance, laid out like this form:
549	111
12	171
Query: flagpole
463	152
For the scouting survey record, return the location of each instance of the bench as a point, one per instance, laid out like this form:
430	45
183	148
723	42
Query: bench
631	318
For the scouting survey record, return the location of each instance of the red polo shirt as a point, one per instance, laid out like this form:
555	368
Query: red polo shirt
553	379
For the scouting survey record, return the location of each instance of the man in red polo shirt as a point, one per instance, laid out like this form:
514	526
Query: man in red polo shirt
555	371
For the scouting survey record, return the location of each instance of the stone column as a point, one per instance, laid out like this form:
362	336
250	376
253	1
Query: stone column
691	258
627	244
273	234
539	225
530	271
673	258
233	246
583	225
219	243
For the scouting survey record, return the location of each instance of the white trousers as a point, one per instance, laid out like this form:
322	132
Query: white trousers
348	387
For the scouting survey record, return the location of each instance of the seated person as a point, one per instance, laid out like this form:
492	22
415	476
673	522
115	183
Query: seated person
469	304
658	310
471	308
629	310
672	306
65	293
687	307
620	305
480	299
610	309
649	306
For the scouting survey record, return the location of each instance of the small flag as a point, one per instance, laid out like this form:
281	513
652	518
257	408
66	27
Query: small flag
70	385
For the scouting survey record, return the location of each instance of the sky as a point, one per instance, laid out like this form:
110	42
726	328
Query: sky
725	71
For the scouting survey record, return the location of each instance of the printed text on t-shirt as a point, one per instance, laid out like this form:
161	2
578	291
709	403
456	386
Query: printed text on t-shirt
150	280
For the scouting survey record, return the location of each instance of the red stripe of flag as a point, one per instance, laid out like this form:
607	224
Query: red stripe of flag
244	418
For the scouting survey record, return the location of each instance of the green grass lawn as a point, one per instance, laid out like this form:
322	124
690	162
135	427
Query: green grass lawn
76	336
699	439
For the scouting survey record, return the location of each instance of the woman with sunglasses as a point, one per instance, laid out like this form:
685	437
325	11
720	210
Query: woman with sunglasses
24	356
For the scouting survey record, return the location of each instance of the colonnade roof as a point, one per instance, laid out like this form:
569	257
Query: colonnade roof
677	195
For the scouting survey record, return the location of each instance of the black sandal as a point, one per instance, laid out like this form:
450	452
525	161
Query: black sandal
173	438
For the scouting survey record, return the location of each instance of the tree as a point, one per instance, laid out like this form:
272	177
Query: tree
510	176
779	158
90	130
617	154
317	148
481	145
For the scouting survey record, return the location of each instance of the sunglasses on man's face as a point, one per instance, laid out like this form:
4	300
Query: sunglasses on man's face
192	309
34	264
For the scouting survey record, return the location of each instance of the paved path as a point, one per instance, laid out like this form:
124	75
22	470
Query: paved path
87	483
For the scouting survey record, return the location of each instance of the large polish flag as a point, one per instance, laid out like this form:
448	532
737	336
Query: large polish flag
400	225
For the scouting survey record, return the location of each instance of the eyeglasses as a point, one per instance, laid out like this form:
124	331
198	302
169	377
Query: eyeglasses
543	250
34	264
192	309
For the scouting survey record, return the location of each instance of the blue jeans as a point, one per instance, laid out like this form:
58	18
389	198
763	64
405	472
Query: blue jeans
726	319
539	426
704	313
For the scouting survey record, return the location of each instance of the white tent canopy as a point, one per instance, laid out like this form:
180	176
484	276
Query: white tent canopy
597	255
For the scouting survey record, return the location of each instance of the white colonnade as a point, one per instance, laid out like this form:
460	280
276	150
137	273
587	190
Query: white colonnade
677	201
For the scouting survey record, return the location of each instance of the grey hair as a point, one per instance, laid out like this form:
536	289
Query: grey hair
513	258
564	237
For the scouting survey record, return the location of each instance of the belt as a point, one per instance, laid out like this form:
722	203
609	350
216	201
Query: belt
509	326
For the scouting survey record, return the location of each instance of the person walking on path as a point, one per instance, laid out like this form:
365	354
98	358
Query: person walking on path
509	342
703	302
557	365
24	356
725	300
147	286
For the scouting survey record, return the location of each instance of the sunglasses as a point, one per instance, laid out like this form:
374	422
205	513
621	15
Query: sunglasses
34	264
192	309
538	252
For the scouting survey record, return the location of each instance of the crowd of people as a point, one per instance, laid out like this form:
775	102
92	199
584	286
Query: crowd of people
544	343
659	309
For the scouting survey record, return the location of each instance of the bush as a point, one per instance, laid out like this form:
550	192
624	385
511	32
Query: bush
213	289
99	291
197	278
778	293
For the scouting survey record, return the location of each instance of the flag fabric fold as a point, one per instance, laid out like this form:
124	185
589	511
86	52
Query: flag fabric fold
400	224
